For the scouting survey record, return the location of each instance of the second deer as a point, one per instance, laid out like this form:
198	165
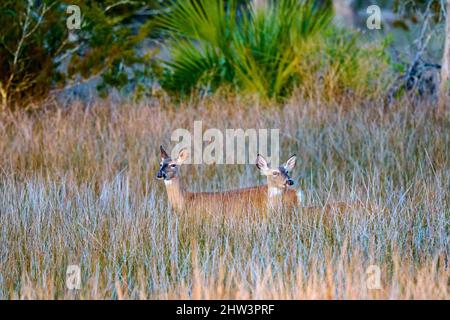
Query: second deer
279	195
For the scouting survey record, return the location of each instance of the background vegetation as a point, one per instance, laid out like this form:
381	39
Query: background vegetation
38	53
262	49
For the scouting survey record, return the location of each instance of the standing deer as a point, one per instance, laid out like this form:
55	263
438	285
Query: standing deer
260	197
279	195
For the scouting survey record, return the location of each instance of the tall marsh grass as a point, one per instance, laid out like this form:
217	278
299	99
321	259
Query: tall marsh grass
77	186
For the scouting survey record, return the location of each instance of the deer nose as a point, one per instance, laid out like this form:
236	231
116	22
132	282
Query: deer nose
290	182
160	175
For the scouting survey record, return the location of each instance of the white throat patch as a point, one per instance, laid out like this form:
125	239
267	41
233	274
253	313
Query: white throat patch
167	182
274	192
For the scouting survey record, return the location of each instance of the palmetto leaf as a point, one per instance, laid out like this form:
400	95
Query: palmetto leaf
192	66
209	21
254	50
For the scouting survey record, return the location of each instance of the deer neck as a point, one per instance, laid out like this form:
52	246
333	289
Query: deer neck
274	195
175	193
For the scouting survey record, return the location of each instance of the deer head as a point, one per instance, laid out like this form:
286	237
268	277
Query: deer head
170	168
277	178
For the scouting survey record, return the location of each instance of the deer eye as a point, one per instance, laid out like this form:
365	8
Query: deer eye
173	165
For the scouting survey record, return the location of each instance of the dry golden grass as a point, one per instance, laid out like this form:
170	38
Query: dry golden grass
77	187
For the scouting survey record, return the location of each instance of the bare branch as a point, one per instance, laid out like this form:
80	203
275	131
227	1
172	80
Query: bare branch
123	2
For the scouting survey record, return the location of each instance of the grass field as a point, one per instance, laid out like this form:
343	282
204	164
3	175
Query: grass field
77	186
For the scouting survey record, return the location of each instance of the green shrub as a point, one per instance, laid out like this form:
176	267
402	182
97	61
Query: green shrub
200	34
269	50
339	64
37	54
264	44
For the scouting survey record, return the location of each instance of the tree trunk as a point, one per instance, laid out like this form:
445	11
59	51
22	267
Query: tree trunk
445	71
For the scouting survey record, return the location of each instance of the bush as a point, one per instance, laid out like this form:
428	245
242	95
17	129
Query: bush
268	50
338	64
36	46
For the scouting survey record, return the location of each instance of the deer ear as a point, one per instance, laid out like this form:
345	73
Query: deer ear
182	156
290	164
164	154
261	164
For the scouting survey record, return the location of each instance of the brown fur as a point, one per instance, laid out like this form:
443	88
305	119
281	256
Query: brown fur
232	201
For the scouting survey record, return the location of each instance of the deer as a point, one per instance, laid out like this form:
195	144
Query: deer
278	194
260	197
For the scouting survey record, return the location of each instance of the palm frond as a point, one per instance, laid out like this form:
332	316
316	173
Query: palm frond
254	50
